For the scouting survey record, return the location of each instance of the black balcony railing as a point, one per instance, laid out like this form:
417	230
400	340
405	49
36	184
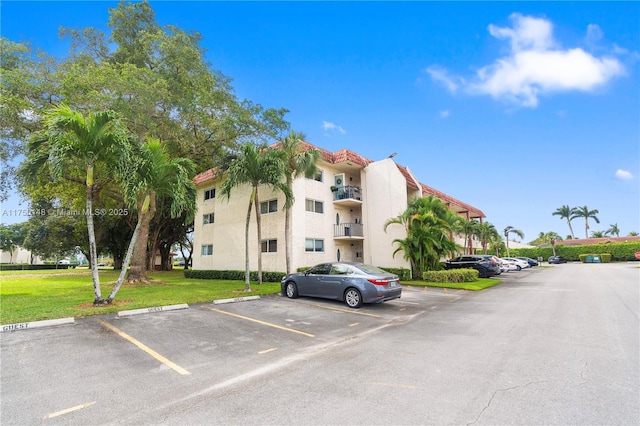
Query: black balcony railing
347	192
348	230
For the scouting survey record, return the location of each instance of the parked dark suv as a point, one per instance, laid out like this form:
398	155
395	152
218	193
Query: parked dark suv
486	265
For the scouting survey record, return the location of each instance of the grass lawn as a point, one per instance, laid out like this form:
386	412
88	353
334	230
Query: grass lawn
481	284
39	295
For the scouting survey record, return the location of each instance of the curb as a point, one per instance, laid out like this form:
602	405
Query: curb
152	310
36	324
236	299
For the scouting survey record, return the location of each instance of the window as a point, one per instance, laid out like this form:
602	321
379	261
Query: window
209	194
319	176
270	206
313	245
207	250
314	206
269	246
207	218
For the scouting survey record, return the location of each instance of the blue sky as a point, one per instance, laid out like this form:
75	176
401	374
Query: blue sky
516	108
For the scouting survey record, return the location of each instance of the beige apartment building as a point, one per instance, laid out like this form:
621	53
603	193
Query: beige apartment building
337	215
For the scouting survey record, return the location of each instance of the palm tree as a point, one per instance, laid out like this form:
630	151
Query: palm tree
511	230
568	213
296	162
597	234
586	213
633	234
551	238
254	165
428	224
152	173
486	231
91	147
613	230
468	228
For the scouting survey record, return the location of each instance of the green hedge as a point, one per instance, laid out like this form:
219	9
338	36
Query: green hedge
269	277
619	251
451	276
27	267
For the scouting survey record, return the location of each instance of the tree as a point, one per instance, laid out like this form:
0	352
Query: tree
11	237
254	165
586	214
568	213
85	150
428	224
511	230
633	234
613	230
551	238
486	232
152	173
468	228
597	234
297	162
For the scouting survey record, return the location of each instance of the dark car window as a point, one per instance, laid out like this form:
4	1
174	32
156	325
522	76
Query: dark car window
319	270
340	270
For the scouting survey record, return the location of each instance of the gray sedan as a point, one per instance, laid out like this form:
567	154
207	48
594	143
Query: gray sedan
352	283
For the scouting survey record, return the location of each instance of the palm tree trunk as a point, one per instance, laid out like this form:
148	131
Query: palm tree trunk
586	228
125	263
93	252
247	284
570	228
256	203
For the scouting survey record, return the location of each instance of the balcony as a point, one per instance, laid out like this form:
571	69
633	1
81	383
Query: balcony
348	231
347	195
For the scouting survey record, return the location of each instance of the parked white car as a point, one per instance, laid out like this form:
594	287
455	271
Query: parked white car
507	265
520	264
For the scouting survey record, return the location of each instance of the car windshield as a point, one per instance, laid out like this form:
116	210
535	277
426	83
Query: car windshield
369	269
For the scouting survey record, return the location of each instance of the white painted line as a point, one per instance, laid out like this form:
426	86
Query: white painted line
68	410
266	351
37	324
236	299
151	310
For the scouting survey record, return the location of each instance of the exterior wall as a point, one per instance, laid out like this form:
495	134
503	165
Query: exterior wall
20	255
385	194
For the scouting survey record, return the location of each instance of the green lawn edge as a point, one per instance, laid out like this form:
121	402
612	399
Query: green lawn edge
481	284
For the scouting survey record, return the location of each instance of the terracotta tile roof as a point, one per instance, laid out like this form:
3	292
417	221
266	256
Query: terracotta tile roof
604	240
346	155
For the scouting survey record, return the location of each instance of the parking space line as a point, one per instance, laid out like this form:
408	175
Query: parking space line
354	324
348	311
266	351
261	322
145	348
68	410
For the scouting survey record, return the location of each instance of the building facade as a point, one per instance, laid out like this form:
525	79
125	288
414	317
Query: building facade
337	215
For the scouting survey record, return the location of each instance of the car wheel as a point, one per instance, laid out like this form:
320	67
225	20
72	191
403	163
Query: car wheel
353	298
291	290
518	267
483	273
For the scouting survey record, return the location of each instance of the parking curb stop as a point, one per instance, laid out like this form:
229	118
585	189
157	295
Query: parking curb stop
36	324
235	299
151	310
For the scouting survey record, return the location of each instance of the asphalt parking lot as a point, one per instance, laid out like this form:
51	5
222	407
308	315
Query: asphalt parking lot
69	373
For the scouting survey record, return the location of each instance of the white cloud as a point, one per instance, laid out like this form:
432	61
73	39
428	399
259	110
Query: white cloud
535	66
623	175
445	113
327	125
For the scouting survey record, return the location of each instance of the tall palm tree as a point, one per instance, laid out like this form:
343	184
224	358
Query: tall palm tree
613	230
296	163
254	165
597	234
586	214
511	230
568	213
152	173
81	149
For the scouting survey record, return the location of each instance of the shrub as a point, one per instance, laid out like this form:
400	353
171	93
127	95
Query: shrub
604	257
618	251
27	267
451	276
267	276
402	273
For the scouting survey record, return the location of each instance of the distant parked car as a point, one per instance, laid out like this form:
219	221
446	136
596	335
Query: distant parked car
520	264
352	283
486	265
557	259
530	261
